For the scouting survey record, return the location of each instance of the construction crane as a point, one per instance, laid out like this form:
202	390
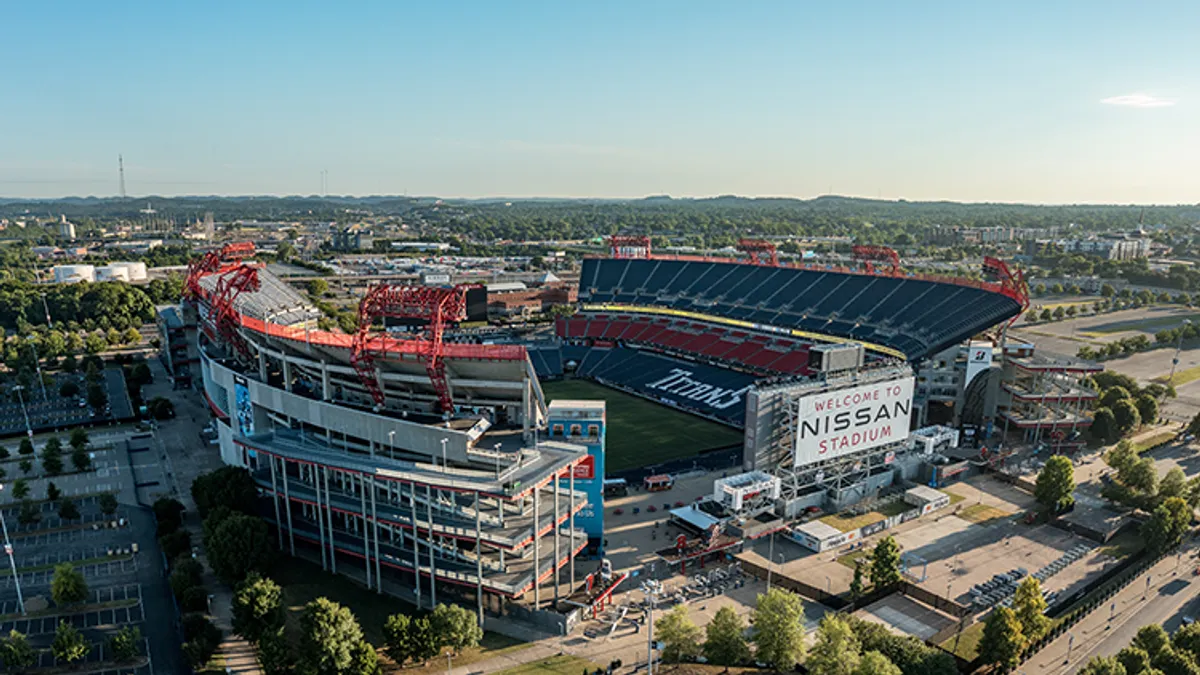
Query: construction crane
223	316
1012	284
870	255
761	251
434	305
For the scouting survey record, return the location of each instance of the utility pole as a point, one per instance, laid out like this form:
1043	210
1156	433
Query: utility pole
121	170
651	589
12	561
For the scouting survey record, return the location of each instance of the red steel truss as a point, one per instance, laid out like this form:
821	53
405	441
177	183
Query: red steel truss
629	246
432	304
761	251
214	261
1012	284
224	318
869	255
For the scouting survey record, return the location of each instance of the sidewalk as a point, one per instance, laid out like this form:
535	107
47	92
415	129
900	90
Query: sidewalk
235	653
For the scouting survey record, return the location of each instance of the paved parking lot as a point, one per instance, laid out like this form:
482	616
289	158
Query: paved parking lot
106	572
53	411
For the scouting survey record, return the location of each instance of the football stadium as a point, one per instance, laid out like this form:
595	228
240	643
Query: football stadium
425	462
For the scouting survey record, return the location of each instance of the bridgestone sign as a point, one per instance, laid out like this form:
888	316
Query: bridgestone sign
842	422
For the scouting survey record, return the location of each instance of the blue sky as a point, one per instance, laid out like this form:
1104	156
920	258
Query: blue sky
1012	101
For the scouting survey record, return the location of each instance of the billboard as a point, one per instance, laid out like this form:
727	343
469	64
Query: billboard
979	359
243	406
845	421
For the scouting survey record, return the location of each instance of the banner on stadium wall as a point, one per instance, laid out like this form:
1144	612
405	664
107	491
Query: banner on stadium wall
979	359
245	409
845	421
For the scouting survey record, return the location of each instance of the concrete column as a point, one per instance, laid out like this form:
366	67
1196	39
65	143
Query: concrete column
362	498
478	558
287	505
432	562
326	389
571	527
416	545
554	531
329	515
375	519
320	514
262	366
275	501
287	374
537	550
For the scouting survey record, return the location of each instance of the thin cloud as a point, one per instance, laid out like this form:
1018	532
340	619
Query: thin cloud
1138	101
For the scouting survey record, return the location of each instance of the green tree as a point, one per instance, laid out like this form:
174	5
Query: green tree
397	634
885	563
779	629
1187	639
1141	476
1002	640
1112	395
1174	484
1166	527
140	374
857	585
52	464
16	653
457	627
239	546
329	636
1104	426
1147	407
1151	639
1103	665
112	336
1046	315
29	513
1134	659
1122	457
364	660
20	489
131	336
1126	415
275	652
317	287
79	438
52	492
679	635
125	644
68	586
257	607
169	514
186	574
69	646
175	544
423	642
875	663
229	486
67	510
1030	608
1058	313
1172	662
200	640
81	460
108	503
1056	484
836	649
725	639
94	343
26	446
26	466
96	398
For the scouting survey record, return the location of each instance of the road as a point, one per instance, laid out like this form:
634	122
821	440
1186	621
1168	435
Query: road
1171	594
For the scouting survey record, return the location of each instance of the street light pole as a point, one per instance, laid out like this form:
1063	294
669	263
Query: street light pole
37	363
24	412
770	561
444	452
1175	360
12	562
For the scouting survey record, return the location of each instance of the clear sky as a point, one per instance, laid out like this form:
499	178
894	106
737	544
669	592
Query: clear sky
1049	102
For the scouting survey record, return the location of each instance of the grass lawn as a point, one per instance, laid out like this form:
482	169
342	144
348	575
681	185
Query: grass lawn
1123	545
968	641
851	559
981	513
1152	440
954	497
1144	325
303	582
848	521
640	432
564	665
1181	376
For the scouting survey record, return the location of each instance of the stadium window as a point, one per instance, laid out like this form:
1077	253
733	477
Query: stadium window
576	429
557	430
593	430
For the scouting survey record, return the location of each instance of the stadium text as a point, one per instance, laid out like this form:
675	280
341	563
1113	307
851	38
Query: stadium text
681	384
841	422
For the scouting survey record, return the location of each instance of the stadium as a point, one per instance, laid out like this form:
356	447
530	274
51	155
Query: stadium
424	462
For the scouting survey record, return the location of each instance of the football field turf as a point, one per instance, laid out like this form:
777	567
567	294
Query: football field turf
641	433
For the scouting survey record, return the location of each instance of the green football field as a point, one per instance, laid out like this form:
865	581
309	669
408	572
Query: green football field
641	433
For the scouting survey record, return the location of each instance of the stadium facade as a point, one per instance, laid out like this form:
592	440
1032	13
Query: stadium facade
412	463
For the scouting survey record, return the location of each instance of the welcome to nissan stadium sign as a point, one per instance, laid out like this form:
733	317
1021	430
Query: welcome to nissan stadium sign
845	421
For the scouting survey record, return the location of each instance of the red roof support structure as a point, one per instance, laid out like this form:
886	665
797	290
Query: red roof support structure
432	304
1012	284
629	246
214	261
869	255
761	251
224	316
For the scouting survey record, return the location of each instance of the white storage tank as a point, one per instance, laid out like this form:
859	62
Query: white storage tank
70	274
116	272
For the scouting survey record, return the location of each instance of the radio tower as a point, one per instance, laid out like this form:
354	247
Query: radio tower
121	169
